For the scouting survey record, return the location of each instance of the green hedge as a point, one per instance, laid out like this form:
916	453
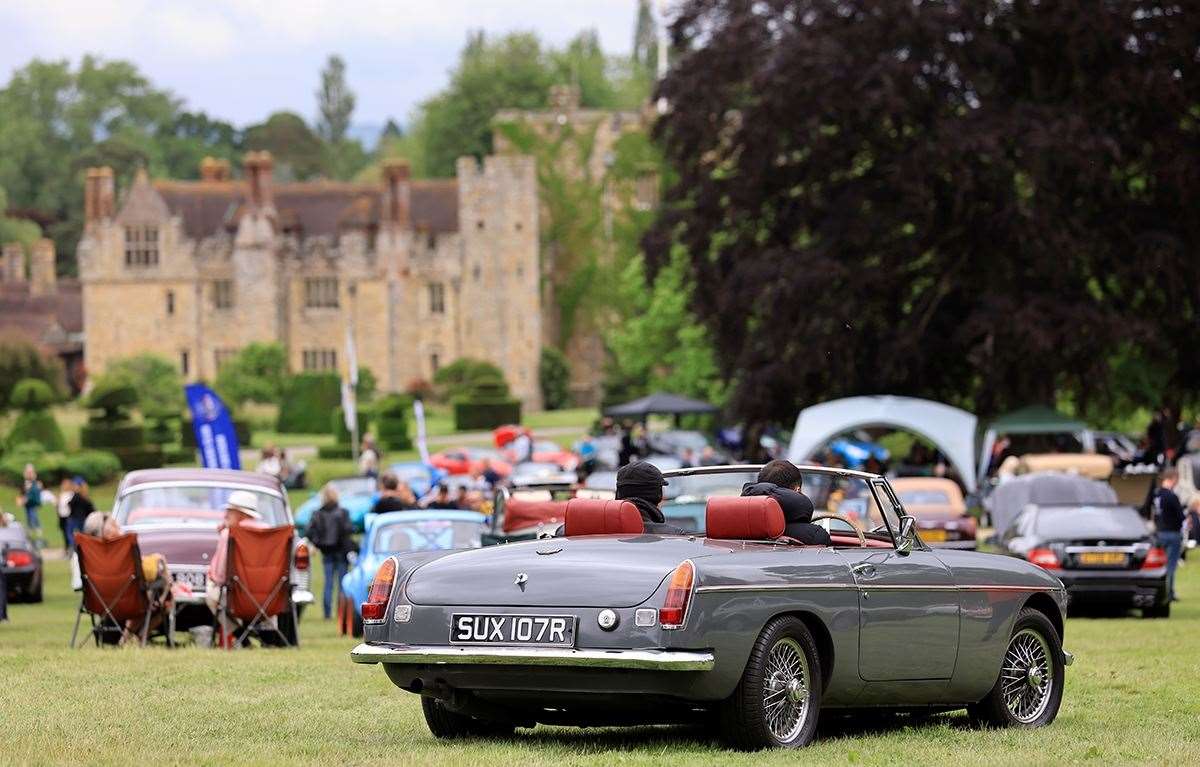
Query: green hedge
37	426
95	466
179	455
391	422
308	399
241	426
337	424
475	416
141	457
112	434
335	452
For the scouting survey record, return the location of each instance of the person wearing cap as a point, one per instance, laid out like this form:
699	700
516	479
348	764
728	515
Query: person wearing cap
782	481
240	509
642	484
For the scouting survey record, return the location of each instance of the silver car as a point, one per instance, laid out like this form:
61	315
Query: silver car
612	626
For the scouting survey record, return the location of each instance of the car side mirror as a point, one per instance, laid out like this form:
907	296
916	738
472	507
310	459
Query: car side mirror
908	535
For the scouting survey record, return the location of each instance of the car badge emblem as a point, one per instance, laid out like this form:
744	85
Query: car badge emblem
521	580
548	552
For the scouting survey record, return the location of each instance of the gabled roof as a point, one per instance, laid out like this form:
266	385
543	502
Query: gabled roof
53	321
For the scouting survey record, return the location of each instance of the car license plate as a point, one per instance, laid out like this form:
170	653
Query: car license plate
935	534
195	579
1103	558
542	630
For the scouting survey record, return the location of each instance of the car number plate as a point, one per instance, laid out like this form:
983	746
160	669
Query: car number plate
540	630
935	534
195	579
1103	558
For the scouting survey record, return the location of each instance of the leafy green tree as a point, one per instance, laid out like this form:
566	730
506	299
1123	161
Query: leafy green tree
554	375
19	361
33	397
16	229
257	373
459	377
645	37
299	153
335	101
191	137
156	380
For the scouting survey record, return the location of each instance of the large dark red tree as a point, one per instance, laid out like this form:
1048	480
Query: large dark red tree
984	202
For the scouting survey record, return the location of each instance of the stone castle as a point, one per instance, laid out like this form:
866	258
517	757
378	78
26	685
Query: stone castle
418	272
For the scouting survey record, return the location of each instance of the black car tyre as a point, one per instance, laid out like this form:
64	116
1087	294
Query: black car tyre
34	594
1161	607
287	627
448	725
778	700
1029	690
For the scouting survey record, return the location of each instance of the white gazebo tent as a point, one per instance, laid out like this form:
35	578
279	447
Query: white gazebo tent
950	429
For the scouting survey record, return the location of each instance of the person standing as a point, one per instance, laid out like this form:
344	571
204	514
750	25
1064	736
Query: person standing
368	458
31	499
1168	518
331	531
80	507
392	497
66	491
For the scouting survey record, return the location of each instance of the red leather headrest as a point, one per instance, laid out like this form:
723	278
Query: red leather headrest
754	518
519	514
586	516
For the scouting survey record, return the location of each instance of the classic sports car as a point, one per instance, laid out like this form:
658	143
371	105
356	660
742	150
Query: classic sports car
398	532
470	460
175	512
609	625
22	563
355	494
941	513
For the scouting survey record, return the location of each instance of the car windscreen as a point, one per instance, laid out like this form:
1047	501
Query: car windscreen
12	533
1065	522
354	485
190	504
923	497
427	535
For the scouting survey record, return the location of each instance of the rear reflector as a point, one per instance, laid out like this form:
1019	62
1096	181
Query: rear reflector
19	559
375	608
1155	558
1044	558
674	610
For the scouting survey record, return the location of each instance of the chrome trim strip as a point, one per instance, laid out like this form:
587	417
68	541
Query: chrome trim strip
868	586
780	587
649	660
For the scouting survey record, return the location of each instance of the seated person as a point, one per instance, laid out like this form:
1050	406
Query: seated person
782	481
240	509
642	484
104	526
394	495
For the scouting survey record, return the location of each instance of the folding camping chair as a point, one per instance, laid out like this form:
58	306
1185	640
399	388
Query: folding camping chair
115	593
258	582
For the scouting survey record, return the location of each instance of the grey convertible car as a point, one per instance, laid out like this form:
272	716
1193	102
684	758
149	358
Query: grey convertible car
608	625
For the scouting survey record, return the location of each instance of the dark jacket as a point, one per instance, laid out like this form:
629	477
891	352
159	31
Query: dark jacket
388	503
331	531
1168	511
653	519
797	512
80	507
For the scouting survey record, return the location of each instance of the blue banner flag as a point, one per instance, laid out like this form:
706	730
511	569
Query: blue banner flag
215	435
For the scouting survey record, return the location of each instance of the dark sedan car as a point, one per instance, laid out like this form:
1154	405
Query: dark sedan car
22	564
1104	554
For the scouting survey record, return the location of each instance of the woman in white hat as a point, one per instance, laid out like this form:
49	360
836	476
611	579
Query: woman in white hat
241	508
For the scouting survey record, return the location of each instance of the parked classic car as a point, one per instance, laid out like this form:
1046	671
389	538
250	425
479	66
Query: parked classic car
355	494
22	563
470	460
609	625
940	511
398	532
1104	554
175	512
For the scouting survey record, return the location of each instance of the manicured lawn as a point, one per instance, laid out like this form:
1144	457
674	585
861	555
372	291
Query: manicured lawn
1132	697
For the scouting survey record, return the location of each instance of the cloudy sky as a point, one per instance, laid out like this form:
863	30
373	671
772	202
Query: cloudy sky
243	59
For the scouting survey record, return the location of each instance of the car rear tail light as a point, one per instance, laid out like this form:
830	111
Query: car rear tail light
19	559
1155	558
375	608
302	556
679	593
1045	558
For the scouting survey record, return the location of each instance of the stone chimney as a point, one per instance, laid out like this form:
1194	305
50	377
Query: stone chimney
99	194
397	192
41	268
12	263
257	167
213	169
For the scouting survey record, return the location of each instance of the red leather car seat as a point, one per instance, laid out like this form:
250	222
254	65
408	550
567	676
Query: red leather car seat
753	518
519	514
586	516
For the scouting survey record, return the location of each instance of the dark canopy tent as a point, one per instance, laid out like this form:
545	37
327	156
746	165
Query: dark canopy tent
660	403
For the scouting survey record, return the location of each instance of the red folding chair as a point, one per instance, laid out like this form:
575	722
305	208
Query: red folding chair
258	583
115	593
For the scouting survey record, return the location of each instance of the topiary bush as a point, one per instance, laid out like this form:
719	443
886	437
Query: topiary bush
554	375
93	465
31	394
391	422
487	406
20	361
35	423
308	399
454	381
113	429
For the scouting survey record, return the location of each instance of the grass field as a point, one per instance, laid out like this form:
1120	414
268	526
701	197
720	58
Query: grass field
1133	696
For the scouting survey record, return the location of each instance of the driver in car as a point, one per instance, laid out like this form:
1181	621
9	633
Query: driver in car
642	484
782	481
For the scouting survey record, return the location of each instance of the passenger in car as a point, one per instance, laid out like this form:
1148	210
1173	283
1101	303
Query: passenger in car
641	484
782	481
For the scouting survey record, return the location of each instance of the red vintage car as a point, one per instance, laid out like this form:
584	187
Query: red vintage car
175	512
469	460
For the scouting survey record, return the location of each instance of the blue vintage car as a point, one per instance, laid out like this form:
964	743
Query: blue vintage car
397	532
355	494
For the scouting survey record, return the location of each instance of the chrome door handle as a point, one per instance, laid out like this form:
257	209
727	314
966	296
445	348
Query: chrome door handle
865	569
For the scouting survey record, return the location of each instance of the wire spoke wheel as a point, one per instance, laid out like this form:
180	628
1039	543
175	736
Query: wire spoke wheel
785	691
1027	676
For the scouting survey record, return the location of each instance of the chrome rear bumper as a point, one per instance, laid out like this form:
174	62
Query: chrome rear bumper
647	660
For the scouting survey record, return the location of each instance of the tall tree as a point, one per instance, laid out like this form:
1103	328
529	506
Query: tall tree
645	37
335	101
298	152
983	202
